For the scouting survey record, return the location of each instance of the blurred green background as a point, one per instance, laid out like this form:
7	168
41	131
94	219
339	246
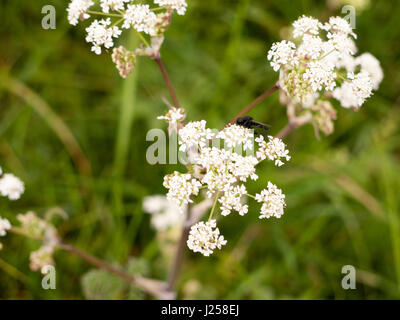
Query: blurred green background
342	191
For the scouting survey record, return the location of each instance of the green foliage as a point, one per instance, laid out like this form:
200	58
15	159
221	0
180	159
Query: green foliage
342	203
102	285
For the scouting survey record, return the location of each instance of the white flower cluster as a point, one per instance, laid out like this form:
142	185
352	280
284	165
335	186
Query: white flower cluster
164	213
11	186
100	33
34	226
221	171
113	5
77	10
274	150
4	226
237	135
324	64
41	258
194	134
180	188
173	115
178	5
204	237
273	201
141	17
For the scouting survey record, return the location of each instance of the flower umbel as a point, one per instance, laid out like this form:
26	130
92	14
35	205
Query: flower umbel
320	64
221	172
204	237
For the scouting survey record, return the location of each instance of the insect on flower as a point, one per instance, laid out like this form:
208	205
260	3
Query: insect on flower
249	123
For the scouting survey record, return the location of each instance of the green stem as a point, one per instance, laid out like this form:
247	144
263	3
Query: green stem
213	207
327	54
158	9
104	14
117	22
250	195
128	104
22	232
143	39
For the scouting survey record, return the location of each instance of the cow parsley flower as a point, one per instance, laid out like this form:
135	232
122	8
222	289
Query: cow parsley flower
4	226
194	134
41	258
173	115
164	213
178	5
282	53
339	25
114	5
140	18
232	199
354	93
305	26
221	171
180	188
100	33
321	64
11	186
371	65
311	47
320	75
274	150
273	201
77	10
234	135
204	237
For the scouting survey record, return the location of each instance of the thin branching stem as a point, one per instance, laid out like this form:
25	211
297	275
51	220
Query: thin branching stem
255	102
167	81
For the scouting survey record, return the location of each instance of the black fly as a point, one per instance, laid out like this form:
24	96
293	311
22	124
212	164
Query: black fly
248	122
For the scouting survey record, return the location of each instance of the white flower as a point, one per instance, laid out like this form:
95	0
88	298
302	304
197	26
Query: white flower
305	25
41	258
371	65
165	213
100	34
180	187
4	226
315	67
274	150
354	93
273	201
339	25
194	134
115	5
217	176
204	238
282	53
320	75
234	135
11	186
311	47
341	43
232	200
178	5
77	10
141	18
173	115
242	167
